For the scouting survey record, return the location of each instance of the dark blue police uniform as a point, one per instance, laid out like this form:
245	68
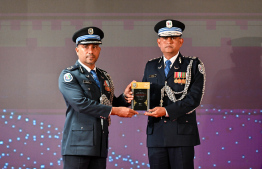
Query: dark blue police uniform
180	93
85	131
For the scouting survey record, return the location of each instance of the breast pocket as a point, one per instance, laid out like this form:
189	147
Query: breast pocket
89	88
82	135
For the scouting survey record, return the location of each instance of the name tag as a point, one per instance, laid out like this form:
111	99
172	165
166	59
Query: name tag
152	76
87	82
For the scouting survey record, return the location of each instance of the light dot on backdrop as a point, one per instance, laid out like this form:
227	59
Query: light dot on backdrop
43	132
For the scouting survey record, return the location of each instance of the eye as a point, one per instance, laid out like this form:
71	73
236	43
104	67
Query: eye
95	47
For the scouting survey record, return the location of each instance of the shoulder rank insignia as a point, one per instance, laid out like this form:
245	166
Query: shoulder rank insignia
191	57
69	68
154	59
72	67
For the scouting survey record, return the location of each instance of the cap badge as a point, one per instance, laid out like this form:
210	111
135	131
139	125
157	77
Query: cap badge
90	31
169	24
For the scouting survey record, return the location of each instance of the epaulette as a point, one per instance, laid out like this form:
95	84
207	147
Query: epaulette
71	68
101	70
154	59
190	57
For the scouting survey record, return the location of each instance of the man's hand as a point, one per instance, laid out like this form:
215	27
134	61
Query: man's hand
128	93
123	111
156	112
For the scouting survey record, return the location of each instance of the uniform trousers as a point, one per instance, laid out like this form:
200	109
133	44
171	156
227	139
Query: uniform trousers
171	157
83	162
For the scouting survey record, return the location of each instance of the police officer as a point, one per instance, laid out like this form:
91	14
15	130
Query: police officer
89	95
176	90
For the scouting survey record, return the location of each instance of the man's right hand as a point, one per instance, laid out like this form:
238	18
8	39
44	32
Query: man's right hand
123	111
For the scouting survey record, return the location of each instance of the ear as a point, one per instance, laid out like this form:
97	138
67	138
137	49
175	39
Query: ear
158	42
77	49
181	41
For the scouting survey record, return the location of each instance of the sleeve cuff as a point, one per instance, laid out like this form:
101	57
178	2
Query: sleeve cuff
166	114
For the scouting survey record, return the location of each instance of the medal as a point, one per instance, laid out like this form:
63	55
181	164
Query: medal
107	86
180	77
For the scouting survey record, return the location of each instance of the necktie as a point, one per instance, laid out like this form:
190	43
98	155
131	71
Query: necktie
167	68
95	78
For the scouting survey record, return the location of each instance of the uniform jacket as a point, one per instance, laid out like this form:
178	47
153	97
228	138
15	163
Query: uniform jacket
180	128
83	133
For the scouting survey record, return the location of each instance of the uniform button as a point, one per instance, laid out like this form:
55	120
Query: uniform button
165	121
88	88
165	94
186	121
82	128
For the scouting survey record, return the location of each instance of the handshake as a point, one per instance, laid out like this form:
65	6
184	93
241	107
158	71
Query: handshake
127	112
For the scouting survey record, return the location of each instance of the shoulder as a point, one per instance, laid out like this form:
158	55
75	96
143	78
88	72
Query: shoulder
154	61
102	71
194	59
73	69
196	62
189	57
67	75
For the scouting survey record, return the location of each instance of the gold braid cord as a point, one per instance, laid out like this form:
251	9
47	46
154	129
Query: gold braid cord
103	99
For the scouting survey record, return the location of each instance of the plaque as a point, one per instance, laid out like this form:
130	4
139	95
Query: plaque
141	93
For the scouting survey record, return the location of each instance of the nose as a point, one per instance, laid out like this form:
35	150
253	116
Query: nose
169	40
90	49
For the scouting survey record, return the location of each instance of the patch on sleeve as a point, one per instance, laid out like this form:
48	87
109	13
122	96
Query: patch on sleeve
201	68
68	77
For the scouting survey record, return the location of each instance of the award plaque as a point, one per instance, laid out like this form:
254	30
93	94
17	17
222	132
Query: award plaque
141	93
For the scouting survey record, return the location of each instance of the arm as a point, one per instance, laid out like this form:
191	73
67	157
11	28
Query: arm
125	98
79	99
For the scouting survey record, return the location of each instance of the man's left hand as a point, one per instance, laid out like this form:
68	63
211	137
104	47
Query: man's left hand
156	112
128	93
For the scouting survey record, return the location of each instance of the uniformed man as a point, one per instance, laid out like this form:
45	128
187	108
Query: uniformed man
176	90
89	95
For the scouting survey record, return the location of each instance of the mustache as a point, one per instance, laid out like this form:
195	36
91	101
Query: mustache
90	55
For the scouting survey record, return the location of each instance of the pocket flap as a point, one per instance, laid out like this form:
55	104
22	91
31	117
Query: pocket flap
82	127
